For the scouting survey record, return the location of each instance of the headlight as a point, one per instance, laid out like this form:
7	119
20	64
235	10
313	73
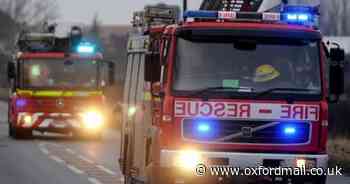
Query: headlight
28	121
92	120
188	159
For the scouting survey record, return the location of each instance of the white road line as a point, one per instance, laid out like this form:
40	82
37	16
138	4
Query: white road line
42	144
106	170
57	159
54	144
74	169
94	180
44	150
86	159
70	151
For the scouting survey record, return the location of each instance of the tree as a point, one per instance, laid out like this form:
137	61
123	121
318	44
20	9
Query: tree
334	17
94	31
30	12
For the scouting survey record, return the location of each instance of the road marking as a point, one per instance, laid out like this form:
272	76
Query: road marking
94	180
70	151
74	169
44	150
86	159
57	159
106	170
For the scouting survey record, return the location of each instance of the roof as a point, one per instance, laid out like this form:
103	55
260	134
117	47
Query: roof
343	41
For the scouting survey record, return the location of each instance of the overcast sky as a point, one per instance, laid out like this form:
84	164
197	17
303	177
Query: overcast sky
109	11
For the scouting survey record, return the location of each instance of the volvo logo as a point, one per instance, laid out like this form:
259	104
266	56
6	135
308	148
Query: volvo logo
60	103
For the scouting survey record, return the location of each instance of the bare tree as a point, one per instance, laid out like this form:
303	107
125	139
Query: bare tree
30	12
334	17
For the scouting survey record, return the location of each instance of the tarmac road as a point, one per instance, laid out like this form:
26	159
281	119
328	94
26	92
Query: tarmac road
54	159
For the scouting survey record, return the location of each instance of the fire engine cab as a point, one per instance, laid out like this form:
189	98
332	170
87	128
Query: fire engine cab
227	88
56	85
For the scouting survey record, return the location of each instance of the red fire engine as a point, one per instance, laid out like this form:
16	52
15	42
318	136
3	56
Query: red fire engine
57	85
241	89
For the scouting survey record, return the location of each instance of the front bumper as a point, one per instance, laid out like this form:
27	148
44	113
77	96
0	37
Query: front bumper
246	160
61	122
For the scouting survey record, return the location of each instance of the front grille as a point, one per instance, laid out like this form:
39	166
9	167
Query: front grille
246	132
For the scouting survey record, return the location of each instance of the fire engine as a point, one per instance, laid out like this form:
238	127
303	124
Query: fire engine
56	85
228	88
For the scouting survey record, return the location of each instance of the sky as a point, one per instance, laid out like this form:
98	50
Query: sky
108	11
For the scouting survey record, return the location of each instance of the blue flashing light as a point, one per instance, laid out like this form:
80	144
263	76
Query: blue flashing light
201	14
203	127
289	130
298	17
86	48
299	14
21	102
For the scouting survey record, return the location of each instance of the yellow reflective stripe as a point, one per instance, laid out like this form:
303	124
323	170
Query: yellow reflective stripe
42	93
147	96
157	99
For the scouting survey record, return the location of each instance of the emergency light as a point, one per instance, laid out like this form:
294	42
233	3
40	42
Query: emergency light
86	48
289	130
301	15
203	127
298	14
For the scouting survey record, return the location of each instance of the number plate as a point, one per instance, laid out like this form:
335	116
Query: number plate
218	161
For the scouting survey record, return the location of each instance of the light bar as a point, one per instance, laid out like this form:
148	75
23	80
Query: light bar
301	15
201	14
304	15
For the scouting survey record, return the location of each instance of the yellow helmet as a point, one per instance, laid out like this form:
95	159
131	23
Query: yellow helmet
265	73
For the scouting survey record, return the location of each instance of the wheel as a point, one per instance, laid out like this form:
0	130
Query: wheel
313	180
18	133
10	130
320	180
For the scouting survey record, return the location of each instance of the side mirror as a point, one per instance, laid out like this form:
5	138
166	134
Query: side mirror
157	89
336	74
11	70
111	73
337	54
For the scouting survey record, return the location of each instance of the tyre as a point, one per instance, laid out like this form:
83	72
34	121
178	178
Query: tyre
10	130
22	133
320	180
313	180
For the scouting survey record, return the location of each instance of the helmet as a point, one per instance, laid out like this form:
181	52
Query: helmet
265	73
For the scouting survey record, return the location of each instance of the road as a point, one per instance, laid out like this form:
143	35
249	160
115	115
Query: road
52	159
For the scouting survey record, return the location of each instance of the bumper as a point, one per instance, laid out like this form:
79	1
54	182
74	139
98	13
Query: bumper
59	122
245	160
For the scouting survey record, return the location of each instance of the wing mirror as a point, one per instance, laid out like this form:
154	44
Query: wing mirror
11	70
336	73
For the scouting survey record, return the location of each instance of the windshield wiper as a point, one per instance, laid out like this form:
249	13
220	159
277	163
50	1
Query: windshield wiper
267	92
207	90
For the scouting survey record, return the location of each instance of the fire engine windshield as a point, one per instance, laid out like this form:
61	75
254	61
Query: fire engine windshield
68	74
248	66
